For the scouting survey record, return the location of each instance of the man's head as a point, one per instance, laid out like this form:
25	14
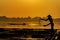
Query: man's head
49	15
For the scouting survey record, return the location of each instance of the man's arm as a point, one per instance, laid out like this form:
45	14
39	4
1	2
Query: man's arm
47	24
44	19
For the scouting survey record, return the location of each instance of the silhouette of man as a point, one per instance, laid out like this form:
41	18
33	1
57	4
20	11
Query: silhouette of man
52	24
51	21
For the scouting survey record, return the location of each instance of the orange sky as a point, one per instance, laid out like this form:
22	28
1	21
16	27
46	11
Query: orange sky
24	8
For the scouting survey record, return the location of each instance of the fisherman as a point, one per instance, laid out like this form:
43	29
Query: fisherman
51	23
50	20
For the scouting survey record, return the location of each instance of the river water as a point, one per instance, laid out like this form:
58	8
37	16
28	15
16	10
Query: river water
30	26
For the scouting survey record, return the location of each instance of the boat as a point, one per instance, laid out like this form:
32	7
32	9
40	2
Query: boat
17	23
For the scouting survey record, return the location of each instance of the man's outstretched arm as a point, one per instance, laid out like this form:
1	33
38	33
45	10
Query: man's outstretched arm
47	24
44	19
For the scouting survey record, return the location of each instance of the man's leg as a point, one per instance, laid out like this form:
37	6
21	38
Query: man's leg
52	31
52	27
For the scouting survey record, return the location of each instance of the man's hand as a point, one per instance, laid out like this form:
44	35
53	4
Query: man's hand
41	19
44	25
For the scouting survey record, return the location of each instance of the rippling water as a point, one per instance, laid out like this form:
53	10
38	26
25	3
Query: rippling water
56	26
31	26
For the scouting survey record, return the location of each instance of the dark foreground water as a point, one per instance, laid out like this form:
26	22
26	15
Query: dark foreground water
28	34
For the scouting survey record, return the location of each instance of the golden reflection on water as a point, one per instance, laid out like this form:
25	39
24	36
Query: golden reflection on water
30	25
56	26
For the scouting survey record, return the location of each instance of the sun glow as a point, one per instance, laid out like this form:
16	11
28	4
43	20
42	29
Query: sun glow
33	8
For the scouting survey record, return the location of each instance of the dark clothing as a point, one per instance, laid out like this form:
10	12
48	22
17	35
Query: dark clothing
51	22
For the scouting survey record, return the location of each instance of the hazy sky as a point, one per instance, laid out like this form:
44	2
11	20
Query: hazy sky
24	8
